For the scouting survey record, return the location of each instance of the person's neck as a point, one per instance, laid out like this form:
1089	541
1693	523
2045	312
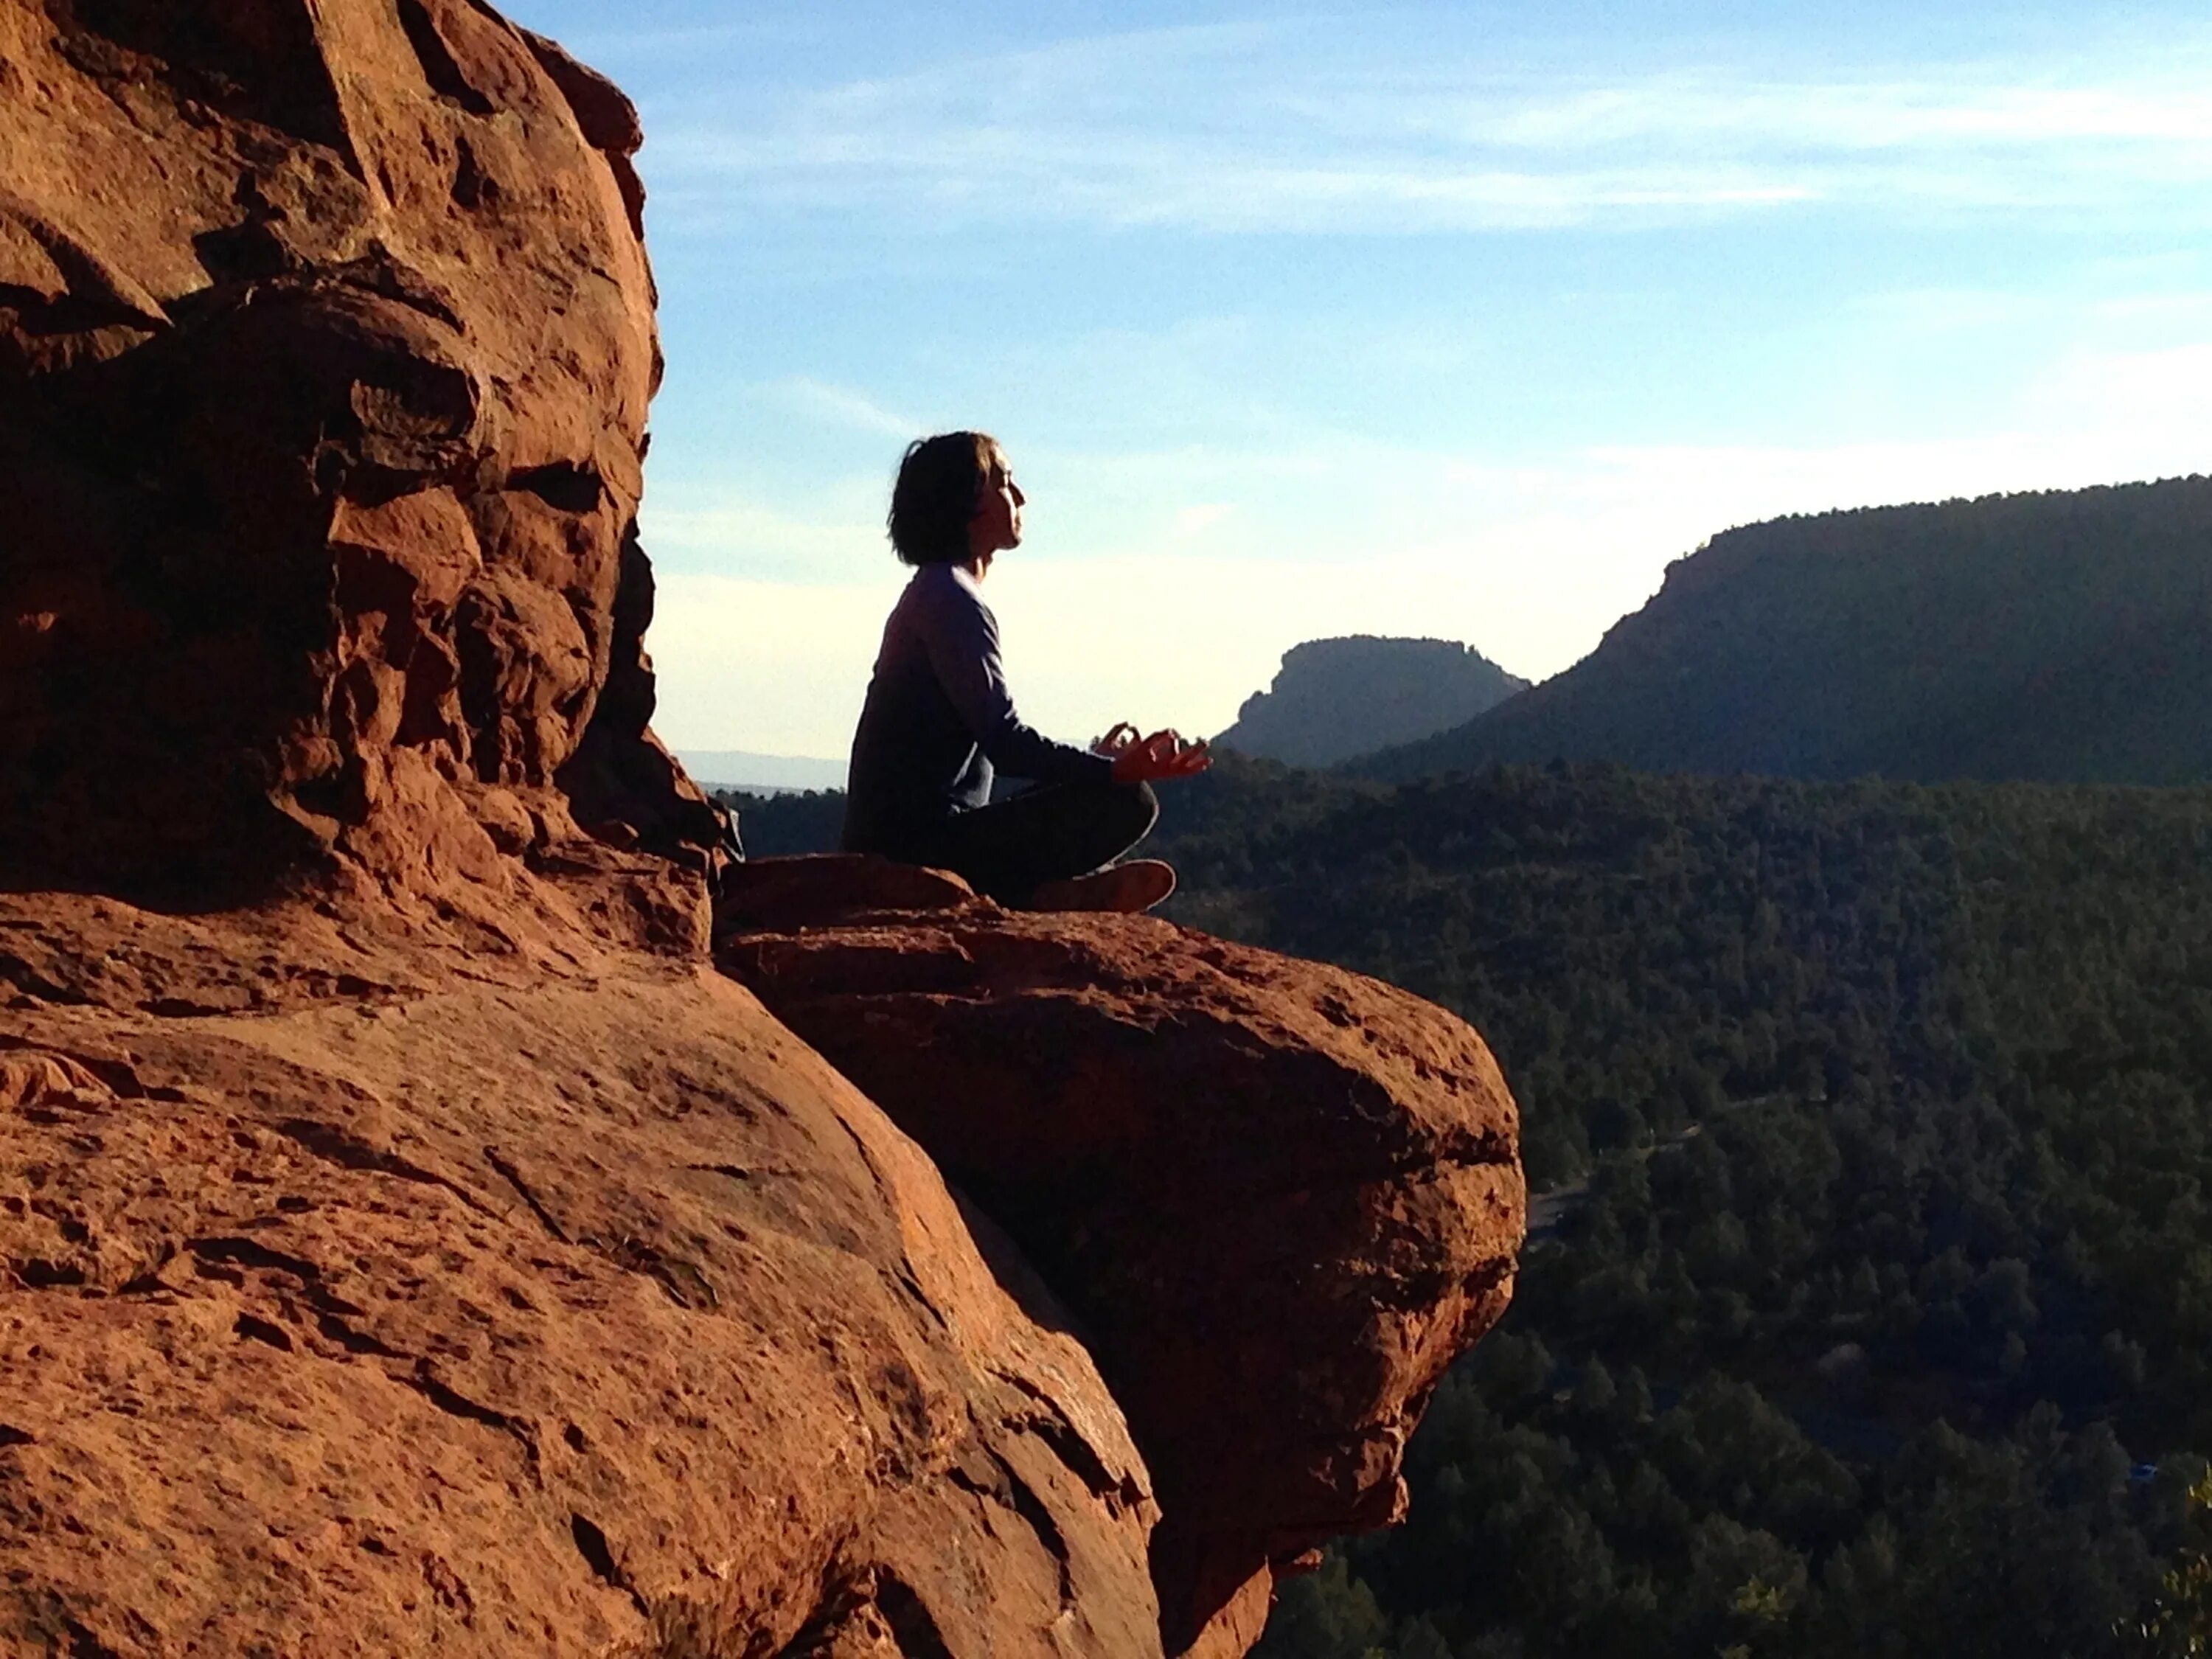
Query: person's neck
977	565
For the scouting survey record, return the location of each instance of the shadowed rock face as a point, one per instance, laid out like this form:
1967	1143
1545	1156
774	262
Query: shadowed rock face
1281	1196
325	343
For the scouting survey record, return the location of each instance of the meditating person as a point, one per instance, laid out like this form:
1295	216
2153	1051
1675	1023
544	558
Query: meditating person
939	724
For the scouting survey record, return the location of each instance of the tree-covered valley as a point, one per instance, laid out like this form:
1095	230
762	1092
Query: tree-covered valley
1867	1304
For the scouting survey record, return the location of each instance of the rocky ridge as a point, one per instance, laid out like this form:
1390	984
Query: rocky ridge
2052	637
411	1238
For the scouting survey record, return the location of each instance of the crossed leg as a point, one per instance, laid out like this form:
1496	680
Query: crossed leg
1026	850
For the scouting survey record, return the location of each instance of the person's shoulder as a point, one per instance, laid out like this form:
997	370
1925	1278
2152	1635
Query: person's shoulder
944	578
946	590
927	589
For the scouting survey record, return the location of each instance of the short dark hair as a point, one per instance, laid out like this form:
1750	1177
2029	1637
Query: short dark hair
940	483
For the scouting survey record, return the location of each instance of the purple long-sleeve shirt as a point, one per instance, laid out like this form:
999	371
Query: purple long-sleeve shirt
939	721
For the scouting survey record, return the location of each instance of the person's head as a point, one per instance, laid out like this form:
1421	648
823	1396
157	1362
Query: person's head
955	500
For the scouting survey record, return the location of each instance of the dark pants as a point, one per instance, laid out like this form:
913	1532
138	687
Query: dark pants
1047	833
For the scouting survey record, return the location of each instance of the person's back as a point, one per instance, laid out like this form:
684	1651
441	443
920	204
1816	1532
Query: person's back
917	757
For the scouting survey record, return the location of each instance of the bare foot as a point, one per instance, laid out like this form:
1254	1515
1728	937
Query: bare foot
1136	885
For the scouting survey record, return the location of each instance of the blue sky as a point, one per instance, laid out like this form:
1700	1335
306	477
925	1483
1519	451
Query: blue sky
1449	321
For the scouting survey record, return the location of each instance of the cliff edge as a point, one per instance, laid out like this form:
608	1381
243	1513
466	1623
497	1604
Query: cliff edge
414	1237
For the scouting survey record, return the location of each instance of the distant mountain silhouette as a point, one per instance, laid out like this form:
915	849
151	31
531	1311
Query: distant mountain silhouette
2063	636
1333	699
737	768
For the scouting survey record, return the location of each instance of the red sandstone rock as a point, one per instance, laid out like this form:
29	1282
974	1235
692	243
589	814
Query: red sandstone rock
1282	1197
764	895
407	1243
325	342
441	1260
471	1302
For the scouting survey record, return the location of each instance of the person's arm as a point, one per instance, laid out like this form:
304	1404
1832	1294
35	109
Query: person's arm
961	637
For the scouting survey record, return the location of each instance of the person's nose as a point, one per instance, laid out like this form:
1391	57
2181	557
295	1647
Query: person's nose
1018	497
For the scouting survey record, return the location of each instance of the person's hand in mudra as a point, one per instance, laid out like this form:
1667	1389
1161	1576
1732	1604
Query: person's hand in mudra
1165	754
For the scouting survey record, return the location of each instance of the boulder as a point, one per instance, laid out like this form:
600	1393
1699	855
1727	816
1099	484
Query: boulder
1281	1197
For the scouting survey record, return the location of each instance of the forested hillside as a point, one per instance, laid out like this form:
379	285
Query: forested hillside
2057	637
1868	1303
1333	699
778	826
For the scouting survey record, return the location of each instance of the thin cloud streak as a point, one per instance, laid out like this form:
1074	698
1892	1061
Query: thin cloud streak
841	405
1243	131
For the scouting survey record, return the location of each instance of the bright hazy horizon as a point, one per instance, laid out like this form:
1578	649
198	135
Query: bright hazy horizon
1455	322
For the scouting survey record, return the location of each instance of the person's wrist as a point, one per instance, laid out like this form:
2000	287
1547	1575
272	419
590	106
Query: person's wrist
1133	766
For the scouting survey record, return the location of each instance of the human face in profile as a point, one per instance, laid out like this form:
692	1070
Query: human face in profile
997	524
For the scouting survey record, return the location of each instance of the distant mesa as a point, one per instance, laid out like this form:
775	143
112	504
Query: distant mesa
2055	637
1335	699
762	774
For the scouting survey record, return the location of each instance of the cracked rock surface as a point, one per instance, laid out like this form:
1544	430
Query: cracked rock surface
456	1302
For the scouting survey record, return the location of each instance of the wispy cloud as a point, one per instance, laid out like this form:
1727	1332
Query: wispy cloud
838	537
1252	128
1190	523
841	405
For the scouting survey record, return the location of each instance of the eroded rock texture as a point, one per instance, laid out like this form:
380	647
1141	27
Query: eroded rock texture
325	342
1281	1196
443	1300
409	1243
